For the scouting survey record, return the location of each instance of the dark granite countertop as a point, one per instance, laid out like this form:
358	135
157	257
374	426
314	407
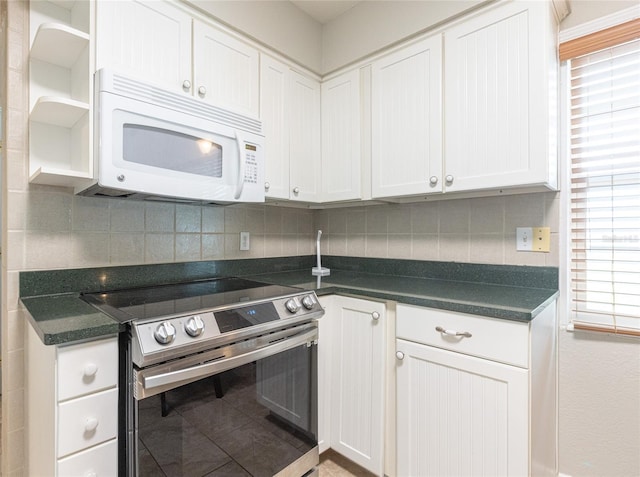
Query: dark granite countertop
485	299
60	319
506	292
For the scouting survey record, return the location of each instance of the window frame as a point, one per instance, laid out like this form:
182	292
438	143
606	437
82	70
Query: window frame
592	30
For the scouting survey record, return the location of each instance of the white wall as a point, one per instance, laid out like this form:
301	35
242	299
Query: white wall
583	11
599	405
372	25
279	24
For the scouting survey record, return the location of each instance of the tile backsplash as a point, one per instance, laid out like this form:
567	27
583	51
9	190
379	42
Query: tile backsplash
480	230
59	230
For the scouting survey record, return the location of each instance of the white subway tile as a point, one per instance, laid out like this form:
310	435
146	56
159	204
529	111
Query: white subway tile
159	248
45	250
49	211
159	217
212	246
188	218
213	220
126	248
126	216
376	245
454	216
90	214
453	248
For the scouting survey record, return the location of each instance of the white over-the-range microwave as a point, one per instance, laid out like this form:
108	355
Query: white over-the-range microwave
150	143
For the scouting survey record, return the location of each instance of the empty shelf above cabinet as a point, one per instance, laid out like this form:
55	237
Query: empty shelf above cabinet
63	112
59	44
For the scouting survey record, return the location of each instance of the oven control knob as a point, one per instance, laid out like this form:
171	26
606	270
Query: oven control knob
165	333
307	302
292	305
194	326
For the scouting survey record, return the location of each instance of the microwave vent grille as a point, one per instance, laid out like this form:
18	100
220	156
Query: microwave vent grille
140	91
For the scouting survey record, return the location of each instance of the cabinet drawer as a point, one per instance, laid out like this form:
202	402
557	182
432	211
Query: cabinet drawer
99	461
87	421
87	368
499	340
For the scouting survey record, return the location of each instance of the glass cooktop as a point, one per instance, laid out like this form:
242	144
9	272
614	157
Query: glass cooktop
183	298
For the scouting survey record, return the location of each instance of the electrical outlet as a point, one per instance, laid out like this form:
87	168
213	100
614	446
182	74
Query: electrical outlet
524	239
245	241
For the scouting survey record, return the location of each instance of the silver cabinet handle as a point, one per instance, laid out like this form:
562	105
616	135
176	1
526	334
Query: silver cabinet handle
202	90
449	179
433	180
375	315
267	186
296	190
186	85
400	355
464	334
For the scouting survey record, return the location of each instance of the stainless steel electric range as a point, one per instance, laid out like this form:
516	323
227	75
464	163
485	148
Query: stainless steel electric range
219	377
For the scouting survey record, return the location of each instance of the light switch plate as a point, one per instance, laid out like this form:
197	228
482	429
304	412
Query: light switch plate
524	239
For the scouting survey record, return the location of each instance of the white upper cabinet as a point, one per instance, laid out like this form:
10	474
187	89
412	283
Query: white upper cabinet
290	114
500	99
148	40
406	121
156	40
225	70
341	159
274	89
304	138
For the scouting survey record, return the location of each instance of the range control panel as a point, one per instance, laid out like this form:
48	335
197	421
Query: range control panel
195	332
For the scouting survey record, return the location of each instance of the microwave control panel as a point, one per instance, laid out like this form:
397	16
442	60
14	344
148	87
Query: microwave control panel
251	164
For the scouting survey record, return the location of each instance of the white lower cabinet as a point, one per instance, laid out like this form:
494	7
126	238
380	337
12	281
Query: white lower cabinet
465	406
456	413
72	408
352	379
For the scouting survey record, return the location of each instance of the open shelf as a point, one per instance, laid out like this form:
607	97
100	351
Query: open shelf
60	177
63	112
59	44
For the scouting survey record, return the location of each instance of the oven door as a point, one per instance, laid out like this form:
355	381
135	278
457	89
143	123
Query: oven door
251	411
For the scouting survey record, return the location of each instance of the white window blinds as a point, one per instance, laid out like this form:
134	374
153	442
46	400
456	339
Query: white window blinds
605	188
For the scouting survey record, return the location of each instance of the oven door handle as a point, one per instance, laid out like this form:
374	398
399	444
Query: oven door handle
151	385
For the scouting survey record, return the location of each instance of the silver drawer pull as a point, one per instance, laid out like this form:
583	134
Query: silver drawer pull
464	334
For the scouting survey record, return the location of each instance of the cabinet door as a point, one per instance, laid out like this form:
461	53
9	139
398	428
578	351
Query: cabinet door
341	169
357	411
225	70
406	121
148	40
497	96
304	138
459	415
274	87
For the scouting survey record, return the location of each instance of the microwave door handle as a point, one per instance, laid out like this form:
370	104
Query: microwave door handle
241	167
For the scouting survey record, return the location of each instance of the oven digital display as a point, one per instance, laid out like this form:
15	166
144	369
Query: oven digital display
234	319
